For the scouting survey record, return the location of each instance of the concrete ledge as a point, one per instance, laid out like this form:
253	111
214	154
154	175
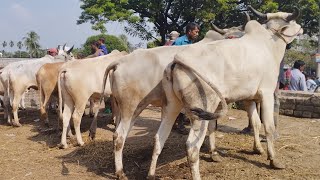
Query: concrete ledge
300	104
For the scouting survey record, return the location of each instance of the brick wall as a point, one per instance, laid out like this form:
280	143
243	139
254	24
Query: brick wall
300	104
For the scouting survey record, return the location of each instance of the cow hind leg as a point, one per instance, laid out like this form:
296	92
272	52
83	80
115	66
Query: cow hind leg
119	137
68	109
15	107
254	119
93	127
169	114
7	108
76	117
267	118
212	141
195	140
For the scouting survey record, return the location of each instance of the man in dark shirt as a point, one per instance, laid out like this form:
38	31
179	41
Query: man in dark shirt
103	46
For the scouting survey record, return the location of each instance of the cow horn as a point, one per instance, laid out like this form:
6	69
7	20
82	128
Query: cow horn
294	15
64	46
247	16
257	13
215	28
58	48
247	19
69	51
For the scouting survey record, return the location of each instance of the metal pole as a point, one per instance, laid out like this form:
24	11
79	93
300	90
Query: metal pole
318	51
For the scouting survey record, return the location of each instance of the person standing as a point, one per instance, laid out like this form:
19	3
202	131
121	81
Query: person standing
298	80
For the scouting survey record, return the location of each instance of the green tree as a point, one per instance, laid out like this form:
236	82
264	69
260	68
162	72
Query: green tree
168	15
11	44
31	42
112	43
126	43
4	44
19	45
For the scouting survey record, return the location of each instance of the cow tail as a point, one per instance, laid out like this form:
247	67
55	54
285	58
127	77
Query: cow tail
198	111
40	90
59	93
112	66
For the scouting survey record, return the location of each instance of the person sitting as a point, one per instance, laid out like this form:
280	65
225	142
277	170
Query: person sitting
298	80
102	46
311	84
172	37
95	50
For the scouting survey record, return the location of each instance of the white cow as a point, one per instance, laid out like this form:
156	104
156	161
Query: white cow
78	81
22	102
17	77
136	83
203	76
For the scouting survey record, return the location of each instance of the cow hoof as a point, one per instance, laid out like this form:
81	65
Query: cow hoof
80	144
216	157
276	165
258	150
92	135
63	146
16	124
121	175
151	177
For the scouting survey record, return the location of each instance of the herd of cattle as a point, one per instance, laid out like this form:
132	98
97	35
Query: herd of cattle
200	78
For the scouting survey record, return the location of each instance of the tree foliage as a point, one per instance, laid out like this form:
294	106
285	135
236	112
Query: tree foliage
31	42
169	15
4	44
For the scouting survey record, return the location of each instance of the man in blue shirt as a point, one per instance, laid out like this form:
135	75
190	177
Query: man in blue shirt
298	80
103	46
192	32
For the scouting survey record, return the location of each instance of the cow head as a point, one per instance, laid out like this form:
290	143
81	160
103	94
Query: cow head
281	24
65	53
233	32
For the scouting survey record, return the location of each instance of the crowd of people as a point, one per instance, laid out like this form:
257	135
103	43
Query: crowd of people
295	79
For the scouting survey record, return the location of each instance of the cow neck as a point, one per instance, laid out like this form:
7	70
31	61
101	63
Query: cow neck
279	46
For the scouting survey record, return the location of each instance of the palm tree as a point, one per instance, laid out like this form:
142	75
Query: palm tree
11	44
19	44
31	42
4	44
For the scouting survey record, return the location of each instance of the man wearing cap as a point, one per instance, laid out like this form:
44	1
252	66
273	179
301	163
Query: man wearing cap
52	52
172	37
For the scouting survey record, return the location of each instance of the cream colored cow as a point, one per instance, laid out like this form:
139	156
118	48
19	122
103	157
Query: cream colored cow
79	81
202	77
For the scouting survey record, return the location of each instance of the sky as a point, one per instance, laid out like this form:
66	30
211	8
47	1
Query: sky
54	21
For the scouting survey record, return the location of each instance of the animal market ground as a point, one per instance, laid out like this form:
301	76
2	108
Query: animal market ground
31	152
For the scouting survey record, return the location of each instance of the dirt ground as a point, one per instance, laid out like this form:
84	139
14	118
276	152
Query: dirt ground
30	152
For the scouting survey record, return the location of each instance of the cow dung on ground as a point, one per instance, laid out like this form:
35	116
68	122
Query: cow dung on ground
30	152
